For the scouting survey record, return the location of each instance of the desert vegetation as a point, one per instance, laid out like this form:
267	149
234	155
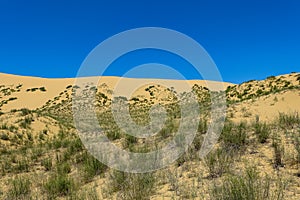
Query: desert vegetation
42	156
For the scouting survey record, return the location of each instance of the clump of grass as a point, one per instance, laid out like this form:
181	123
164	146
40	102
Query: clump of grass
25	111
47	163
262	132
59	185
22	166
278	152
249	186
218	162
19	188
289	120
132	186
26	122
87	194
92	167
234	137
63	168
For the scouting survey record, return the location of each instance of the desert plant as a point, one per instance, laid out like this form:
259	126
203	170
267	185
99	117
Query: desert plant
131	186
25	111
218	162
278	152
92	167
4	136
43	89
47	163
19	188
234	137
248	186
63	168
262	132
289	120
59	185
26	122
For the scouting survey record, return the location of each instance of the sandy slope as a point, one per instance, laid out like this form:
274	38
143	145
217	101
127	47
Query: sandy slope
32	100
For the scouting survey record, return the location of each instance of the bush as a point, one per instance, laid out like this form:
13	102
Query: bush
43	89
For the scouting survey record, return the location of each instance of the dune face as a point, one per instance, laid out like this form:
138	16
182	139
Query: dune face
257	155
33	92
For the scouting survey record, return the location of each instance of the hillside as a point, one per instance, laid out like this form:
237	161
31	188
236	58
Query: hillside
257	155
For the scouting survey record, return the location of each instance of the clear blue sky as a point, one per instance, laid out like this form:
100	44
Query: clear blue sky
247	39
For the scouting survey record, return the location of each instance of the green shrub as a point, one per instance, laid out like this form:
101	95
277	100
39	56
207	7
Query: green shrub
43	89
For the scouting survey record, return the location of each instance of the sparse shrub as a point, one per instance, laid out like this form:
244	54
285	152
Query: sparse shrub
25	111
29	136
249	186
59	185
22	166
12	98
262	131
92	167
26	122
113	134
43	89
278	152
19	188
4	126
132	186
86	194
218	162
47	163
289	120
4	136
297	147
63	168
234	137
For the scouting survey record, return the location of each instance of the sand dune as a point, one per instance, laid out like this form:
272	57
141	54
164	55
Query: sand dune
35	99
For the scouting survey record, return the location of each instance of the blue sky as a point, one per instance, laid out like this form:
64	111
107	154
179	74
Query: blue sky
246	39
